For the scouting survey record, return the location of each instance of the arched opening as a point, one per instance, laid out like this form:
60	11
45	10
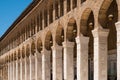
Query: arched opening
74	3
23	52
59	40
108	16
61	8
86	27
39	45
68	5
71	34
48	45
33	48
56	10
51	14
19	56
45	18
28	61
27	50
59	35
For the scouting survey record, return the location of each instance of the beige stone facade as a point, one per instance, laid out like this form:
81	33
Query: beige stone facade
63	40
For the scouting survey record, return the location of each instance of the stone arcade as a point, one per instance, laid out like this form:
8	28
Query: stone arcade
63	40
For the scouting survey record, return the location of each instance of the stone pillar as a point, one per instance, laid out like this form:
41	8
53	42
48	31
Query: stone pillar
82	57
32	67
23	69
57	62
38	66
100	53
16	69
68	60
13	69
8	71
27	69
46	75
118	49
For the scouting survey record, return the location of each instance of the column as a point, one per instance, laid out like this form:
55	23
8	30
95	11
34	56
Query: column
21	69
100	53
118	49
68	60
16	69
8	71
32	67
38	66
82	57
27	69
46	75
13	69
57	62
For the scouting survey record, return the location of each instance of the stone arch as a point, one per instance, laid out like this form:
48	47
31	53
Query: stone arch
39	45
33	48
59	35
87	22
48	40
71	30
27	50
108	10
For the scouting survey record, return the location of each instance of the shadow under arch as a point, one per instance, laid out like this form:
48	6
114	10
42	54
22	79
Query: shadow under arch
39	45
59	38
33	48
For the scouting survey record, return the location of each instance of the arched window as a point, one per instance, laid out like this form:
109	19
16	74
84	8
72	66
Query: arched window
68	5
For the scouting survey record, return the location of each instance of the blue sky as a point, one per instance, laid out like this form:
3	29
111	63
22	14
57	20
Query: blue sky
10	11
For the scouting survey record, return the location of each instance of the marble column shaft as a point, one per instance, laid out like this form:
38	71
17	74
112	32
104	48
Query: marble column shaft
82	57
32	67
46	65
57	62
68	60
27	69
100	53
118	49
38	66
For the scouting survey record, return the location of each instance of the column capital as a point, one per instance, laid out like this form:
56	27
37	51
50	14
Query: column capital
82	39
100	32
56	47
117	24
68	44
44	51
37	54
